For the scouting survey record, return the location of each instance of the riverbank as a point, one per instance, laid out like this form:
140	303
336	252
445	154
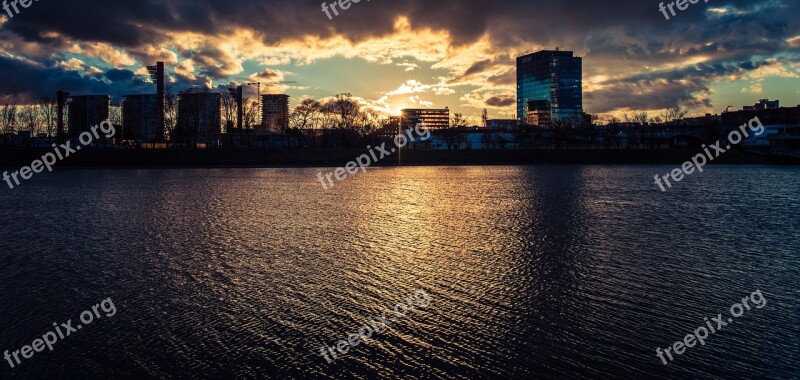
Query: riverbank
118	158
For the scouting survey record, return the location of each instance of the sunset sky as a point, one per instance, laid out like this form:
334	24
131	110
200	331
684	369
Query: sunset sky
397	54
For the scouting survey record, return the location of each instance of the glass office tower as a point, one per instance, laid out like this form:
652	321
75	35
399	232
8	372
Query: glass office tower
551	77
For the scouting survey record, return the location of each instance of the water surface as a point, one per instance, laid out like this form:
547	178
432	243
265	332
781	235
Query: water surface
533	272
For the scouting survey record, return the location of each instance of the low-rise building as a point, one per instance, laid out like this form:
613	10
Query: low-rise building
501	123
433	118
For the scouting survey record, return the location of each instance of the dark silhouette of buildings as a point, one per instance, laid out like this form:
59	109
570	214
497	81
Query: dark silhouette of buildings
140	118
763	104
552	79
768	116
501	123
782	124
199	116
275	112
86	111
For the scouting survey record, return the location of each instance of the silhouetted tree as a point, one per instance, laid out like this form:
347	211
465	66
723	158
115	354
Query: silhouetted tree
347	109
29	119
229	111
48	112
637	117
456	134
8	118
674	114
170	112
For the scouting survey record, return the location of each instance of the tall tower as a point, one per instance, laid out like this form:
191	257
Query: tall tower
553	78
157	75
239	107
160	96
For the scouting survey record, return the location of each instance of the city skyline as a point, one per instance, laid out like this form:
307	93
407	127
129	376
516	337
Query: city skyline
417	189
456	55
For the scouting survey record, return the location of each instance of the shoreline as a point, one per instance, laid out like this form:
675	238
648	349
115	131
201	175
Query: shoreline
306	158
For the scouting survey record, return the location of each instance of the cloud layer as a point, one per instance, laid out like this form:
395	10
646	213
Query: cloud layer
449	50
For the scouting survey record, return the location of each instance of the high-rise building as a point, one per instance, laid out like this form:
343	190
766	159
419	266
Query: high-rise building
140	120
275	112
554	77
433	118
86	111
199	116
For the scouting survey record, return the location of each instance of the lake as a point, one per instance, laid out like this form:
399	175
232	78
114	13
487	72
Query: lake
532	272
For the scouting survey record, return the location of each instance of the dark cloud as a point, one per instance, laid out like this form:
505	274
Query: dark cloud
269	76
26	82
501	101
117	75
478	67
508	77
615	36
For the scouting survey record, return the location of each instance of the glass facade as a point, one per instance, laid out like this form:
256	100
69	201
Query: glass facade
554	78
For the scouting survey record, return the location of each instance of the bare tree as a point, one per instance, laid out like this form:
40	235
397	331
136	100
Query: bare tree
368	122
8	118
329	117
347	109
29	119
249	114
229	111
305	115
455	135
170	112
674	114
640	118
458	121
48	112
